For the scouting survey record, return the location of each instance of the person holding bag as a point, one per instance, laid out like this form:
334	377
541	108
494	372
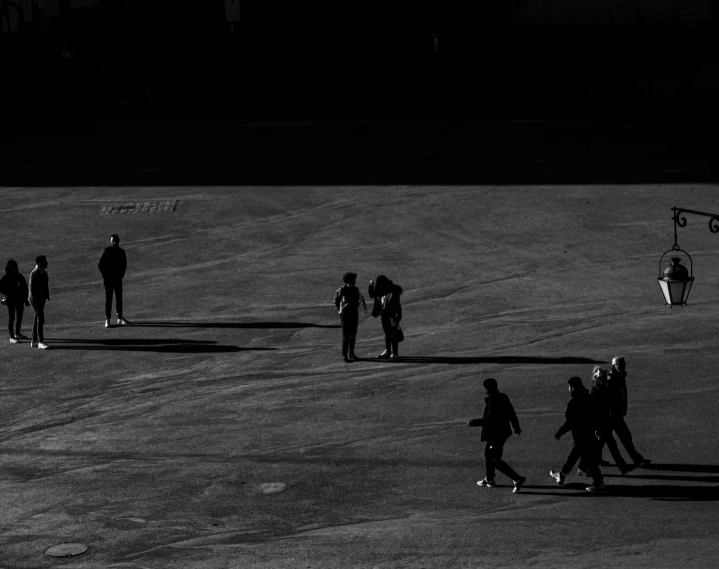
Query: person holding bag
387	304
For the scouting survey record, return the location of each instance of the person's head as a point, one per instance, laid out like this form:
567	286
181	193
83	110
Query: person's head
618	364
41	261
349	278
115	240
11	267
382	285
575	384
490	385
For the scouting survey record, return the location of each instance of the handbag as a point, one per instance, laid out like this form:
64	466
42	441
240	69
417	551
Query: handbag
398	334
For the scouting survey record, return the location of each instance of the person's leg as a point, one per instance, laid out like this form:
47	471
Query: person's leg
118	297
11	320
613	450
625	436
499	464
34	322
353	334
19	310
395	343
574	455
41	322
345	334
489	462
108	298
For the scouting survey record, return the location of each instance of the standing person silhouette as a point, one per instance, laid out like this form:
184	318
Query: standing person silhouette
347	302
387	305
112	265
39	294
14	286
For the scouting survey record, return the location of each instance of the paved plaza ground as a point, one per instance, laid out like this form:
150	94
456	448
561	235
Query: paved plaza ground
220	429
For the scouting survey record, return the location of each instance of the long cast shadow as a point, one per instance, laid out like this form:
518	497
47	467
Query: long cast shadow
683	467
175	346
653	491
189	324
708	479
490	360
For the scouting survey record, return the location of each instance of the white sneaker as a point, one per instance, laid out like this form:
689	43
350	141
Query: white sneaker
518	484
393	357
107	322
121	321
597	487
384	355
13	340
558	477
43	346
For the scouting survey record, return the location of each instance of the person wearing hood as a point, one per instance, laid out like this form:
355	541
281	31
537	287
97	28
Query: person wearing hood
15	290
387	305
581	420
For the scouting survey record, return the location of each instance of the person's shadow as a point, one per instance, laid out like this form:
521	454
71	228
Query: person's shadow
166	345
462	360
209	324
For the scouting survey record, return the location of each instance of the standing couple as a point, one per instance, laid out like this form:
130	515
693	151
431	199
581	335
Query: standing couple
387	304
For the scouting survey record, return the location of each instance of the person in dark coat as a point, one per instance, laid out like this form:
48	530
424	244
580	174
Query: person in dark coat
387	305
39	294
112	265
347	302
497	422
13	287
581	420
617	379
600	391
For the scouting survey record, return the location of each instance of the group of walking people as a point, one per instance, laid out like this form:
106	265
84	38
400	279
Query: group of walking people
592	416
387	306
17	294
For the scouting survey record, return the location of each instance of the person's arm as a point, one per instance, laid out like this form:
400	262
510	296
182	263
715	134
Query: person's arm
399	309
566	427
363	303
102	264
338	298
474	423
513	417
123	264
47	287
370	289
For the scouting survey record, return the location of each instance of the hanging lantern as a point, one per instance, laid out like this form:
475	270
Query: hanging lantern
675	281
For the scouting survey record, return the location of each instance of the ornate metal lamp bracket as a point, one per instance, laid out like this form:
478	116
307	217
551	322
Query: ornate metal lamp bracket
682	222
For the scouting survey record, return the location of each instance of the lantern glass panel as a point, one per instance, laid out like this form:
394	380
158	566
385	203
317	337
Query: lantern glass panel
688	288
676	291
664	285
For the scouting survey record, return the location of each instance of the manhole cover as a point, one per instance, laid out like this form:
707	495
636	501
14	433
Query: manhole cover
144	207
66	550
271	487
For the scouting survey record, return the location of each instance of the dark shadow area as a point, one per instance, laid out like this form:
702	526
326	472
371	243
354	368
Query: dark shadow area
707	479
144	345
710	468
653	491
486	360
188	324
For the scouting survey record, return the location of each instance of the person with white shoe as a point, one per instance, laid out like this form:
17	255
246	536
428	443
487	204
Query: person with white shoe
13	287
581	419
387	305
39	294
497	422
112	265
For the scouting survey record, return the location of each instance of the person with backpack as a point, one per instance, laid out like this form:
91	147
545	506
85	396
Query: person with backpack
347	302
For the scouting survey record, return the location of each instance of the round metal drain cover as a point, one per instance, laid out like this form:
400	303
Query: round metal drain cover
271	487
66	550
